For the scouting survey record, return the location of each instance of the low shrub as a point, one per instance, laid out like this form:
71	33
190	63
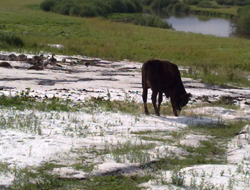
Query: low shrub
181	8
243	23
206	4
46	5
162	4
191	2
11	40
93	8
146	2
74	11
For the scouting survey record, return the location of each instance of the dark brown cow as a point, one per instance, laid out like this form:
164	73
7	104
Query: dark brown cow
163	77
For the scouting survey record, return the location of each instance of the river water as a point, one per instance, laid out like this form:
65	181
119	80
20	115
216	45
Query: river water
209	26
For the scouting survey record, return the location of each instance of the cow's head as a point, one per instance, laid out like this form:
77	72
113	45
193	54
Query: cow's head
182	101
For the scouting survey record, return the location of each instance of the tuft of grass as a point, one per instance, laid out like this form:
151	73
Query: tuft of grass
115	182
172	137
23	101
220	130
176	163
126	106
4	167
84	167
41	178
22	122
208	151
36	178
205	154
134	153
224	76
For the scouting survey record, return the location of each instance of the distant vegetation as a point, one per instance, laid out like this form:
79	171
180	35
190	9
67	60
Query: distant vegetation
102	8
159	4
243	23
86	8
233	2
219	2
206	4
180	8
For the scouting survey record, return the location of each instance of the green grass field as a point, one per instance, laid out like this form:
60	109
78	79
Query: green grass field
213	59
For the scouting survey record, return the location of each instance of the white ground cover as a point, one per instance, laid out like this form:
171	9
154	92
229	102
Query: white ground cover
31	137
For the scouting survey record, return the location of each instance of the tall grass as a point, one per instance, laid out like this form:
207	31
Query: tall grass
117	41
11	40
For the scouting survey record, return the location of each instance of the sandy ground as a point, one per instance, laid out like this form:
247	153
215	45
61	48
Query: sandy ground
61	137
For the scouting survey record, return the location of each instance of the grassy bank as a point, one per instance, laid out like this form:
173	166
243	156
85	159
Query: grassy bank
214	59
232	10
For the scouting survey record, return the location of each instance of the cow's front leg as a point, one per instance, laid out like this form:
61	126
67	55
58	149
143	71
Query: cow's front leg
173	106
154	95
159	101
144	97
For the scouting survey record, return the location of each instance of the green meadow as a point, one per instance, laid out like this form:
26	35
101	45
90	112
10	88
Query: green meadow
213	59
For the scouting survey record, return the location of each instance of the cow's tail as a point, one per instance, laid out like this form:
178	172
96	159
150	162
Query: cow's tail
144	75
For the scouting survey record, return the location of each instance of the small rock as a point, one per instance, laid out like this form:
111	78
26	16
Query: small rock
35	67
47	83
5	64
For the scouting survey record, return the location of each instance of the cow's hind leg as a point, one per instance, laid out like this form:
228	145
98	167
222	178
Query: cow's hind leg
154	95
144	97
159	101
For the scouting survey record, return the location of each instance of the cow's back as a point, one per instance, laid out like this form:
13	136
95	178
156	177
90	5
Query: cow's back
160	75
